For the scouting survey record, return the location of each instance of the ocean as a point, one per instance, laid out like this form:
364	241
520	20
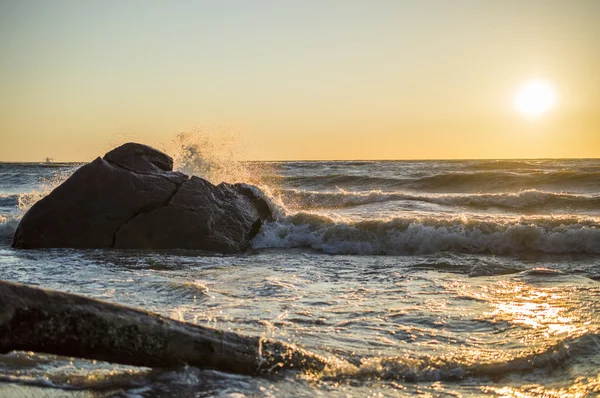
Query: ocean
431	278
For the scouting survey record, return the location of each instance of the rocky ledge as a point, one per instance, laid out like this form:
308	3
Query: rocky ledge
132	199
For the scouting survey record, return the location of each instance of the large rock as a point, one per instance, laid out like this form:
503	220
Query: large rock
132	199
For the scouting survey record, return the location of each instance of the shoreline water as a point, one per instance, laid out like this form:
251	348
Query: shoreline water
409	281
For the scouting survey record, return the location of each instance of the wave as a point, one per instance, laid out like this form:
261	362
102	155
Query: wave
12	208
69	373
8	226
529	199
335	180
578	165
425	235
182	290
460	365
21	202
489	180
509	165
479	181
9	200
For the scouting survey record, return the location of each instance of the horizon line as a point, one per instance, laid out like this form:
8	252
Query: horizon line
326	160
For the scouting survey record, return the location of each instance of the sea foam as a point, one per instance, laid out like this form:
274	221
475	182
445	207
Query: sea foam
424	235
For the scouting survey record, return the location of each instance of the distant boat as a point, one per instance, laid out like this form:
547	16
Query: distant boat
48	160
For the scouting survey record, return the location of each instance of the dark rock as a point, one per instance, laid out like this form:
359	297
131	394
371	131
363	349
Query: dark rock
33	319
140	158
86	210
199	216
131	199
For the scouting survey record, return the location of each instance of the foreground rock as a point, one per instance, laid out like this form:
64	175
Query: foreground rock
39	320
131	198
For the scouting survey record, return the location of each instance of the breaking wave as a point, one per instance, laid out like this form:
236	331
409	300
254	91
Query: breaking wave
424	235
12	208
529	199
8	226
478	181
21	202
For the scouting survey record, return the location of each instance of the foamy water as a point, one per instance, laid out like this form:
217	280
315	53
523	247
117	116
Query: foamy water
422	277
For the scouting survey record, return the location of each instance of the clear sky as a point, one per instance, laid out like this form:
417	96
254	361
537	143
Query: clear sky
305	79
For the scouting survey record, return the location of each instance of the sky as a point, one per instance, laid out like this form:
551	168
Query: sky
308	80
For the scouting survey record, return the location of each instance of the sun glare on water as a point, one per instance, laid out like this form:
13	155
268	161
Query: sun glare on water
535	98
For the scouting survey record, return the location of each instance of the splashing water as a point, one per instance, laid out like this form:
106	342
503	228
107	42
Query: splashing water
216	155
28	199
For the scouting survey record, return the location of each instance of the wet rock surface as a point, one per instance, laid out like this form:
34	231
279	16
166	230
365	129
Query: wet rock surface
34	319
132	199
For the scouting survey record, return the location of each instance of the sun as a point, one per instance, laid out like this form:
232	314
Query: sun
535	98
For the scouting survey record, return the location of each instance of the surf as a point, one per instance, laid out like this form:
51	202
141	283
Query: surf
432	234
531	199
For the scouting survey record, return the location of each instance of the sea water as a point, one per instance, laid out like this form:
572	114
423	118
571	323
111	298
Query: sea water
439	278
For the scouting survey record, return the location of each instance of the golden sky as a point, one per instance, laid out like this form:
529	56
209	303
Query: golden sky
300	79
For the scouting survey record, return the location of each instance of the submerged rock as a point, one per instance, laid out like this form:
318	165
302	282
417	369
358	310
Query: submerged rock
131	198
34	319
